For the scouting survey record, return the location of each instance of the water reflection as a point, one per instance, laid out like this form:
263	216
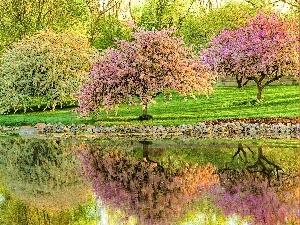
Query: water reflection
261	190
157	182
39	183
153	192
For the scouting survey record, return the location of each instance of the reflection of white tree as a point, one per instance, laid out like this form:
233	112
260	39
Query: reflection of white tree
17	212
41	172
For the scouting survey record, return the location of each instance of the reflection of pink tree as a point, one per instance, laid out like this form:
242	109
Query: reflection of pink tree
262	190
250	194
262	164
154	193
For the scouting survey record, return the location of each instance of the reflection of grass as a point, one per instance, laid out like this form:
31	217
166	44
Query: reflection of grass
112	215
232	142
177	152
226	102
220	152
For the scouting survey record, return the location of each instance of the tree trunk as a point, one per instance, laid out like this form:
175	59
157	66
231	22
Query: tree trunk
145	109
242	81
145	151
239	81
259	92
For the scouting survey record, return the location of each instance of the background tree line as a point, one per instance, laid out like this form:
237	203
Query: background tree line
100	21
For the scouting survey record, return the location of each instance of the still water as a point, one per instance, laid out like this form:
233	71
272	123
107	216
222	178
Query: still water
82	182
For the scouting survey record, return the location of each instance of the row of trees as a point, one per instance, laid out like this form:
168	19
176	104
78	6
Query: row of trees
46	69
263	50
101	21
97	20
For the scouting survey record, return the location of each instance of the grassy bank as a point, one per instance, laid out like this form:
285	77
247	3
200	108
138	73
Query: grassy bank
225	102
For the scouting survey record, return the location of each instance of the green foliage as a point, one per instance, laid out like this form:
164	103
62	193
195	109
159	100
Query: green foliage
44	69
106	30
293	6
98	22
24	17
163	14
198	29
103	25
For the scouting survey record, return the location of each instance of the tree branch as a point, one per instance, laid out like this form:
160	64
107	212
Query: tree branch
273	79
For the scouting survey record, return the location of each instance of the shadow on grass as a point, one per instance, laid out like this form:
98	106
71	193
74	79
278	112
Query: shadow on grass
155	119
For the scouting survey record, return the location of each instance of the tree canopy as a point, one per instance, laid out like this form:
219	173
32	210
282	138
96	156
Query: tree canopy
263	50
199	28
44	70
154	62
19	18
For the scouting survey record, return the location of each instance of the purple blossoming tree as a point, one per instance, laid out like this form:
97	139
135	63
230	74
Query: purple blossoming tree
264	50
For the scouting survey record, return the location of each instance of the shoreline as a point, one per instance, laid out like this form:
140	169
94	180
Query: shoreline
266	128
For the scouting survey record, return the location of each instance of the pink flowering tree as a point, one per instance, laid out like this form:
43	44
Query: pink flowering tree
264	50
154	62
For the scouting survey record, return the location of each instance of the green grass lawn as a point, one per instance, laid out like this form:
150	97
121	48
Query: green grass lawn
225	102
